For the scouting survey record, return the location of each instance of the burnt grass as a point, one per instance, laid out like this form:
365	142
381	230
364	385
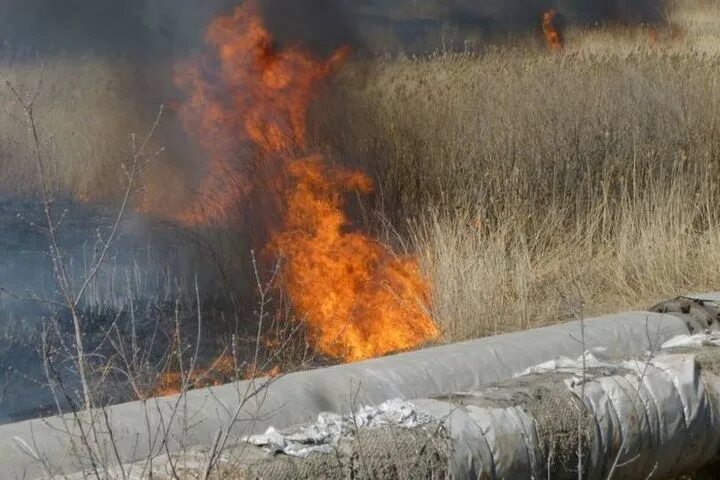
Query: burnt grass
139	317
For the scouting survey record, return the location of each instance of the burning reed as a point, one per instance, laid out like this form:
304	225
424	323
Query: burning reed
552	29
358	299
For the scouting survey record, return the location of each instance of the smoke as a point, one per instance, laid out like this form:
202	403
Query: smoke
153	34
500	14
122	27
174	27
620	11
160	27
319	25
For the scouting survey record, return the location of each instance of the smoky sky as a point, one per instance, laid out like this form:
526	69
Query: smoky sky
321	25
522	13
164	27
106	26
160	26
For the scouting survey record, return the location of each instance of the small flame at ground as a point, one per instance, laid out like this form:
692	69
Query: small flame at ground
358	299
222	370
552	31
652	36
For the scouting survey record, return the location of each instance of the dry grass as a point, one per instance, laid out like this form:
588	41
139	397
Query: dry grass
517	174
86	112
81	102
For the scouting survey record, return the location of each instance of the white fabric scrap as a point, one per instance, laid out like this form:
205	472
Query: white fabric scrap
575	366
567	365
324	435
697	340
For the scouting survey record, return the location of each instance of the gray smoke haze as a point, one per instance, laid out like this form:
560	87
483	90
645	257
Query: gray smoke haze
126	27
160	27
521	13
163	27
321	25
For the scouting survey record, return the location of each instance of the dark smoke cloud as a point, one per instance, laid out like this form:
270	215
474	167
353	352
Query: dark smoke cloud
521	13
127	27
164	27
321	25
622	11
160	26
420	25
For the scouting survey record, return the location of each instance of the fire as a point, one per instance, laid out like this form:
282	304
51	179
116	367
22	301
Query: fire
358	299
672	34
220	371
652	36
169	383
552	30
252	372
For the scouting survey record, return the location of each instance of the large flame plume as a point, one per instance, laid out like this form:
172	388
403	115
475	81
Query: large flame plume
358	299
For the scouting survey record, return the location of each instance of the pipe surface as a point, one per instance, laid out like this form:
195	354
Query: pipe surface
139	430
657	417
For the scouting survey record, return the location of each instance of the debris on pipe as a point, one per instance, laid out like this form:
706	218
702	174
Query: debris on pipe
652	417
511	427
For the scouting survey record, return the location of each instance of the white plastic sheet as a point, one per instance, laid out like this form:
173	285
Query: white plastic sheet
699	340
323	435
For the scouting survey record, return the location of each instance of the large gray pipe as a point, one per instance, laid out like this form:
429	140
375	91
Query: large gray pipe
140	430
628	419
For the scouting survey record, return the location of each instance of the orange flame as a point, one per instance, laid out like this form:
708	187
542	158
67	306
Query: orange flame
652	36
677	33
360	301
551	30
357	298
222	370
252	372
673	34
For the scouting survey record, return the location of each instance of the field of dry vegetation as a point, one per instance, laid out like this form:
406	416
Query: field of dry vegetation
522	178
526	179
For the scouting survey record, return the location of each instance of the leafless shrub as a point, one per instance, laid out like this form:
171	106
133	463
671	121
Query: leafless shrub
121	357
